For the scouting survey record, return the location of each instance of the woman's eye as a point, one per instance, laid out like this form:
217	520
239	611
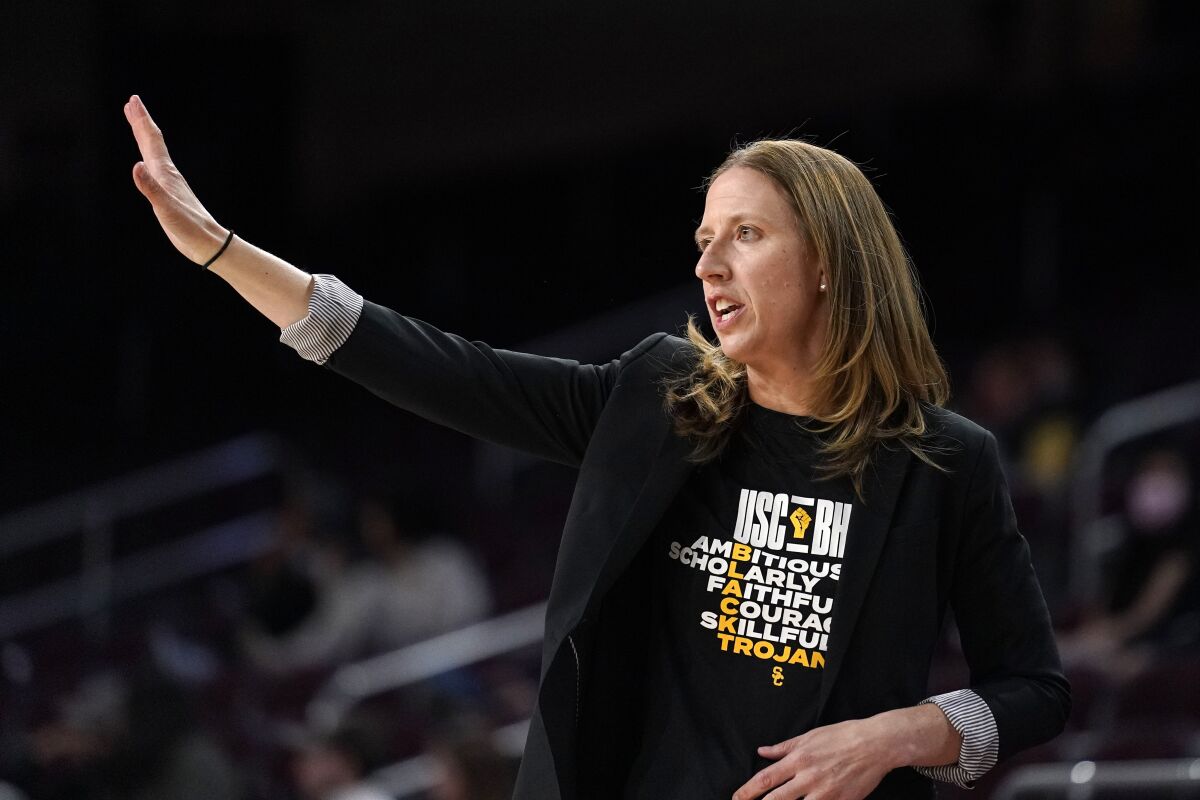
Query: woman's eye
744	232
701	244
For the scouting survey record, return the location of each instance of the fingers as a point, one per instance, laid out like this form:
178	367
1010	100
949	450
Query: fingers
792	790
783	789
780	749
781	772
762	783
148	136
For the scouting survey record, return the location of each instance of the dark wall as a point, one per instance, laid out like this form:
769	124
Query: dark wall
507	169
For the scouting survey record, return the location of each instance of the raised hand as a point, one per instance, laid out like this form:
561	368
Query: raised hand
276	288
186	222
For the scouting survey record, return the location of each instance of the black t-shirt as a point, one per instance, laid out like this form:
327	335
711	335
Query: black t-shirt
745	567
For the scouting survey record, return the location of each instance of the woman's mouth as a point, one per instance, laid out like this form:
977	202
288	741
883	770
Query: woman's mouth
726	312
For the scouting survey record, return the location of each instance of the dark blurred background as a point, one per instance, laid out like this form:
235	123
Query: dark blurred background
527	173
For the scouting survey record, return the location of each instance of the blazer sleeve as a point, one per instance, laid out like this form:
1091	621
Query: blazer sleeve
545	406
1003	622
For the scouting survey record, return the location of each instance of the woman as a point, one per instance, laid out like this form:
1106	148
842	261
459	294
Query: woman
765	535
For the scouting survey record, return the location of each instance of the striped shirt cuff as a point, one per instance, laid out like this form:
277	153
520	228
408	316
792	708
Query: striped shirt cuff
333	311
972	718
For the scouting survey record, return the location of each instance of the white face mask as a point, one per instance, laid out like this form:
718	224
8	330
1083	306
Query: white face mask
1157	498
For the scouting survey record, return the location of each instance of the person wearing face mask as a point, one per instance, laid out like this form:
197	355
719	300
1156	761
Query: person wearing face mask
1153	600
766	533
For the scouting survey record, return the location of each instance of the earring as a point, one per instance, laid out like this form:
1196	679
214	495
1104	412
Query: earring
822	287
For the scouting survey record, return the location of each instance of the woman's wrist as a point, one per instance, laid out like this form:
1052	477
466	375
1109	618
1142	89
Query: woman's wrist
919	736
214	235
893	749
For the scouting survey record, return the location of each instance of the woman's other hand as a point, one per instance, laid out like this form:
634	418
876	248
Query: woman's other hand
847	760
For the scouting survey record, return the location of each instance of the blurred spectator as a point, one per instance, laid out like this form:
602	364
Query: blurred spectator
337	766
1050	429
283	583
1024	392
469	765
391	583
999	394
70	756
134	739
1153	601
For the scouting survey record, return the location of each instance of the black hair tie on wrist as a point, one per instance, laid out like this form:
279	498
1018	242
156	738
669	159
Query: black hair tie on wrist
228	239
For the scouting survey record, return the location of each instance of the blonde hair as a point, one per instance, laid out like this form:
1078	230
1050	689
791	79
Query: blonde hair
878	366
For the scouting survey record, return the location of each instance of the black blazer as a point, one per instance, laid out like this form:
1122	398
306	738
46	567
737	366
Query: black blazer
932	540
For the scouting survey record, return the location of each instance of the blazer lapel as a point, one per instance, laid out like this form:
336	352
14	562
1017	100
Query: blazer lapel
863	545
667	474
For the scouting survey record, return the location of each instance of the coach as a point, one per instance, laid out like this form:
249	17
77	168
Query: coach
766	533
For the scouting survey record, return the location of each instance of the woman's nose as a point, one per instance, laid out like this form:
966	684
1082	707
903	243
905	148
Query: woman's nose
710	266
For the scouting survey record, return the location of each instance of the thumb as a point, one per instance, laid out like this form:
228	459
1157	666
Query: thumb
145	182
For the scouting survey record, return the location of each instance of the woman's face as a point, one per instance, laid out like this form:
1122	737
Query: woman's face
761	283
